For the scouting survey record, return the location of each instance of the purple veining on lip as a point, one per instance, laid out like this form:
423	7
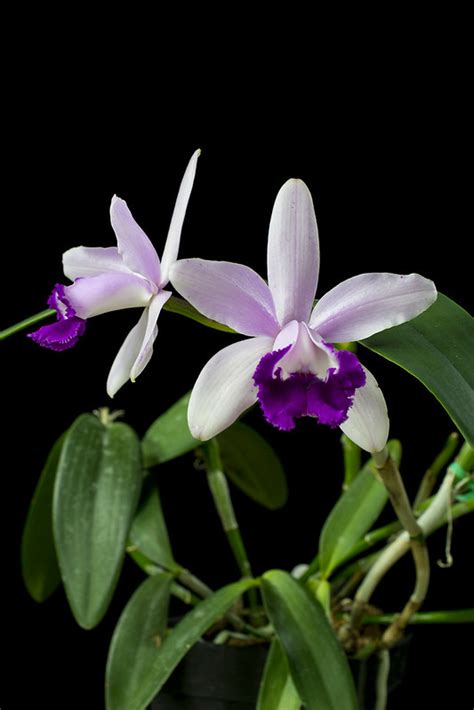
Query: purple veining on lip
304	394
67	330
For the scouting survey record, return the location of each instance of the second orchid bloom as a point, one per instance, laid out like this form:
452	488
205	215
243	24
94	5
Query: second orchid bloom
289	364
129	275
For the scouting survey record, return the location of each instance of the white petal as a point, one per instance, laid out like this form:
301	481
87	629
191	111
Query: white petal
81	262
137	348
109	291
366	304
228	293
293	252
170	252
146	350
135	248
225	388
368	424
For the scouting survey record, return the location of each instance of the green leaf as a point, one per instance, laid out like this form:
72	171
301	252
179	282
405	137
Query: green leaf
137	637
318	666
39	562
437	347
169	435
148	532
253	466
277	690
95	496
353	515
181	639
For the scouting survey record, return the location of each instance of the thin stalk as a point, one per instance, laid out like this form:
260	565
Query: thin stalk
458	616
32	320
430	520
150	568
381	683
221	495
193	583
390	475
174	305
441	461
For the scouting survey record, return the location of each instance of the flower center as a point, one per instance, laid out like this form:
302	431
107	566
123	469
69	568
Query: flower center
312	379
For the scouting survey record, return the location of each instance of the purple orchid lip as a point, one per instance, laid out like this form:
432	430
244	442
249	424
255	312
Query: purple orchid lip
305	394
67	330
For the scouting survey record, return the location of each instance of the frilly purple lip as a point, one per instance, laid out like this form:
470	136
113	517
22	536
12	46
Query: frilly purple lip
67	330
304	394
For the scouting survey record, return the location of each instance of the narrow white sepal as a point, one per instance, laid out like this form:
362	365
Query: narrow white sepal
368	424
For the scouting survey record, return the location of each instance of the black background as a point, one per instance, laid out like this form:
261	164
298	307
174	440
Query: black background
383	150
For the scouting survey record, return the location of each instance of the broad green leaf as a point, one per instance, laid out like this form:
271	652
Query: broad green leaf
95	496
169	435
39	563
253	466
318	666
437	348
148	532
137	637
182	638
277	690
354	513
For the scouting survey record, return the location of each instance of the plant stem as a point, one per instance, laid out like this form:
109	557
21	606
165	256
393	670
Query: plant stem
193	583
429	521
174	305
32	320
458	616
441	461
390	475
220	492
381	685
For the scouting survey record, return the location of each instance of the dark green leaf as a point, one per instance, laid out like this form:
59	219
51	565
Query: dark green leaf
39	563
137	637
317	663
277	690
169	436
95	496
182	638
437	348
253	466
353	515
148	532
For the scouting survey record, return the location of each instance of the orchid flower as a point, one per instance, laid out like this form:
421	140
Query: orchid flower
129	275
290	365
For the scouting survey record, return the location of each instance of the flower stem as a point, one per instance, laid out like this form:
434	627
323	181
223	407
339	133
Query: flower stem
220	492
429	521
32	320
390	476
441	461
458	616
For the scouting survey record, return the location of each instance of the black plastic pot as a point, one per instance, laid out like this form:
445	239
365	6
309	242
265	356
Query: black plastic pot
214	677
